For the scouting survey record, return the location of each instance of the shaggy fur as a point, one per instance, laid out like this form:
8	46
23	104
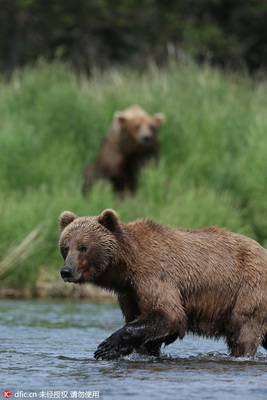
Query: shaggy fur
170	281
129	143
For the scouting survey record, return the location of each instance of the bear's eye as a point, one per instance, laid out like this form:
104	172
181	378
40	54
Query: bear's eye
82	249
152	128
136	127
64	250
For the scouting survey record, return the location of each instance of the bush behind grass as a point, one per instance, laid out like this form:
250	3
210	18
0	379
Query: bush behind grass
213	154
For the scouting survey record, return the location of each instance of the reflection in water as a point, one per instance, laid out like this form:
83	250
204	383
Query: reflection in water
50	346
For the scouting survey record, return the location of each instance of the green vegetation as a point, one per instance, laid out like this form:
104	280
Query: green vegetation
212	170
87	33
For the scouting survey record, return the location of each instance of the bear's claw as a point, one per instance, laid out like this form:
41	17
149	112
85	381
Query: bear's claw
111	349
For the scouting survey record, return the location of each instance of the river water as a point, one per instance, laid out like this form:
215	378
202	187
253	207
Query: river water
47	352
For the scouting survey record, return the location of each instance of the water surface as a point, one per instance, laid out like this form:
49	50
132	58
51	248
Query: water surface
49	346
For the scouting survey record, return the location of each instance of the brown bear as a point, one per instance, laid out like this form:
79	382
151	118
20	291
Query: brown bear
129	143
170	281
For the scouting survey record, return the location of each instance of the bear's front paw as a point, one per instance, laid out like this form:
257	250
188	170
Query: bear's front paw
113	347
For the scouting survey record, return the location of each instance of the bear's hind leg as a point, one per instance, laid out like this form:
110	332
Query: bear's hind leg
244	341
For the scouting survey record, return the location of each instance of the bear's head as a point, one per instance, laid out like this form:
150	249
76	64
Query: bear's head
88	245
138	131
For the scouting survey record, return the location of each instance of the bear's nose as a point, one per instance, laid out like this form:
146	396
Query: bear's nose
66	273
146	139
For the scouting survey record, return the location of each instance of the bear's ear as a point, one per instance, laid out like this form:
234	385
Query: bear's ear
159	118
109	219
120	116
65	219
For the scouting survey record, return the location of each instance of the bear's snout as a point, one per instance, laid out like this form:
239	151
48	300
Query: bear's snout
66	273
146	139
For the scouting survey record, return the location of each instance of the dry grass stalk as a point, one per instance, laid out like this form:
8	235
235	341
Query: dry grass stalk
22	251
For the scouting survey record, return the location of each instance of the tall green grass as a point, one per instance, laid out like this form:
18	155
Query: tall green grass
212	171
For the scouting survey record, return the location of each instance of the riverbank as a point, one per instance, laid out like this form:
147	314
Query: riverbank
48	287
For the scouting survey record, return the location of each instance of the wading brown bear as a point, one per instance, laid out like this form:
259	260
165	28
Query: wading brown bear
170	281
129	143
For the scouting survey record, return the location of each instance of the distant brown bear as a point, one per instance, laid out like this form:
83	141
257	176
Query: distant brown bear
129	143
170	281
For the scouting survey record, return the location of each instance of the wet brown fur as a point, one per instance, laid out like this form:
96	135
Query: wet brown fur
210	282
123	151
